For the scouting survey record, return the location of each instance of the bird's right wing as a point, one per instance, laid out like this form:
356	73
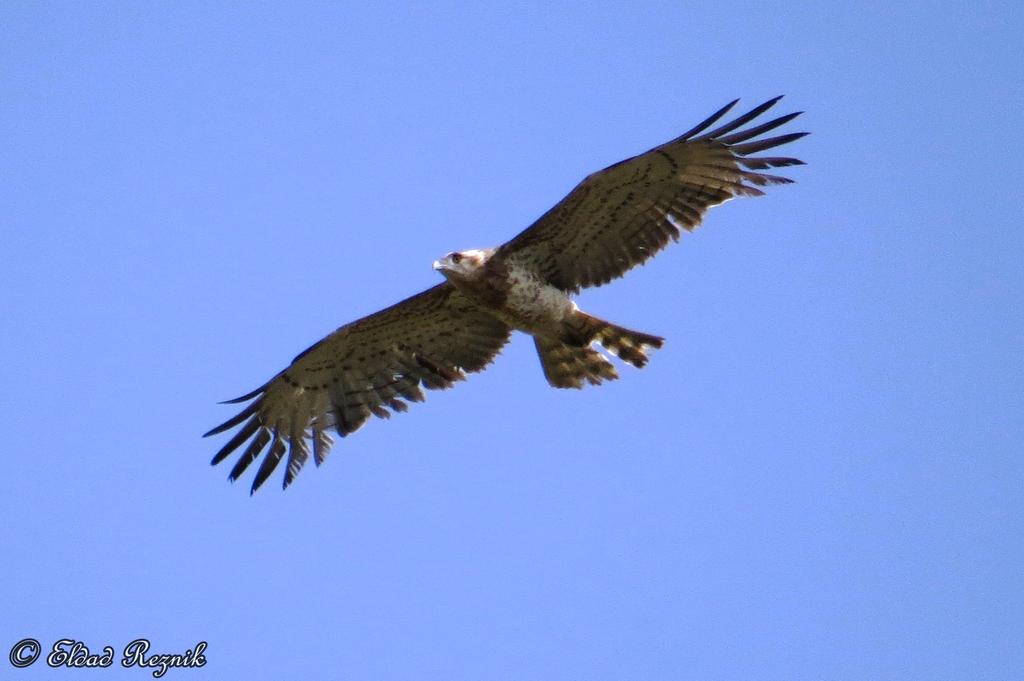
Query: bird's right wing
362	369
619	217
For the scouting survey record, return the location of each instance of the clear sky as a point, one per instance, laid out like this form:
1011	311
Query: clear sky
818	477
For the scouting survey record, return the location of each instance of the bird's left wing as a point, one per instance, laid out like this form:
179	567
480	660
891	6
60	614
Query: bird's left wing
362	369
619	217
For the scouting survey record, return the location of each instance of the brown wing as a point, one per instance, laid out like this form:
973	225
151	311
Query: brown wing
363	368
619	217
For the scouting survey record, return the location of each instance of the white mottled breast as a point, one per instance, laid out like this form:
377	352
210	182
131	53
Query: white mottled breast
533	304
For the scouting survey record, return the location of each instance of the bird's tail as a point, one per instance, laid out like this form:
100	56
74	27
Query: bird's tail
570	362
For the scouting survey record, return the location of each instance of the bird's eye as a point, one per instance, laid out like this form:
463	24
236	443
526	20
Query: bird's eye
456	258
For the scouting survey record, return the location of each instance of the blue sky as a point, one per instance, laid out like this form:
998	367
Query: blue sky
818	477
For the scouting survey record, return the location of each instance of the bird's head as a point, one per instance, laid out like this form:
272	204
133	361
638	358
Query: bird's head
462	264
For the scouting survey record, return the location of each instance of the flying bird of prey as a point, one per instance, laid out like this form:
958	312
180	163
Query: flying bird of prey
613	220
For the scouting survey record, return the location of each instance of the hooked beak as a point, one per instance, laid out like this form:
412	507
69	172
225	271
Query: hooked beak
438	265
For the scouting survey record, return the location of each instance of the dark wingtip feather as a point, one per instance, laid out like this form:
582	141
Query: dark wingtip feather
247	396
744	135
298	453
741	121
700	127
270	462
241	436
251	454
760	163
760	145
235	420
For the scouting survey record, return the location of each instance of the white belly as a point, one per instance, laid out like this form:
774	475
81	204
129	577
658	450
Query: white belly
535	306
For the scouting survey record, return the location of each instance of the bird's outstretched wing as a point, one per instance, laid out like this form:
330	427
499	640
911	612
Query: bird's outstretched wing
619	217
362	369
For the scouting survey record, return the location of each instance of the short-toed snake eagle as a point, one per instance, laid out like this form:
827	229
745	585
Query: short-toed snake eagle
613	220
